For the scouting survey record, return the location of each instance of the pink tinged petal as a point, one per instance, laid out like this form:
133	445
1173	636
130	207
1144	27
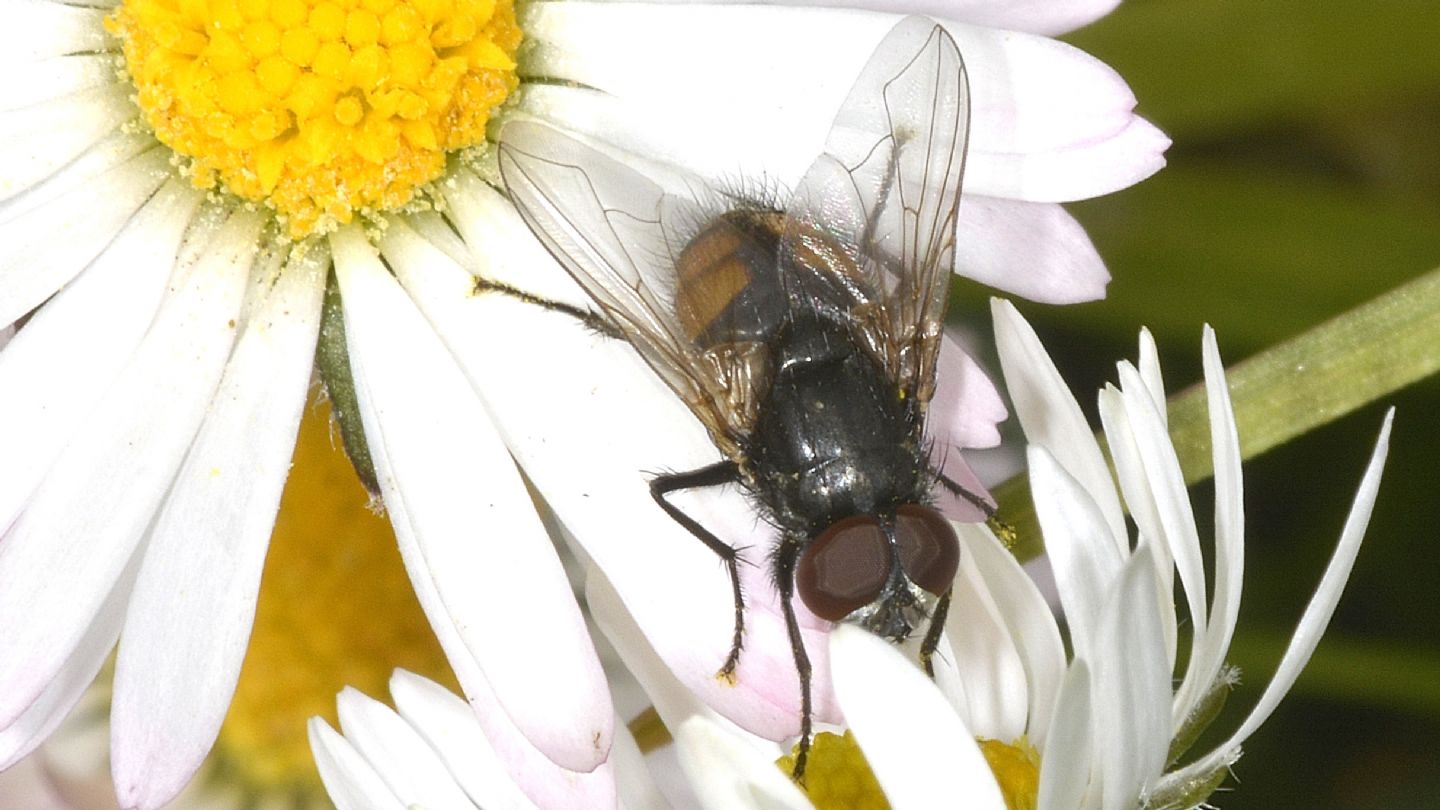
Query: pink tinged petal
59	76
597	480
352	783
1130	473
1078	171
47	245
39	139
724	766
1027	619
1048	17
35	725
1033	250
36	29
963	413
463	517
1315	619
402	758
1030	95
1131	690
84	522
985	659
1067	750
918	748
1172	507
1081	552
189	619
451	729
1052	418
89	329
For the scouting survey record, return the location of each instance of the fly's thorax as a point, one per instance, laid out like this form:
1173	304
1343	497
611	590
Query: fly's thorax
882	572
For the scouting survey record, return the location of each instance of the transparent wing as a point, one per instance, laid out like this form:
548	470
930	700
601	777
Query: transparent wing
618	233
886	194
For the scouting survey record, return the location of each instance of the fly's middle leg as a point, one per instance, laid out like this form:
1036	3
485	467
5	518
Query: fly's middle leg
592	320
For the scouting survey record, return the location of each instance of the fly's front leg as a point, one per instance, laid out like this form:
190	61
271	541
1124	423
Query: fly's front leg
932	633
790	547
1004	531
724	472
592	320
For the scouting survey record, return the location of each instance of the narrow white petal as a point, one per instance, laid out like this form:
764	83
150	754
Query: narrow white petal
189	619
89	329
49	244
1033	250
351	782
916	745
1130	472
87	170
1079	172
1131	688
638	789
451	729
464	518
1148	362
1086	562
985	659
724	766
409	766
87	518
1229	524
595	469
1317	614
1028	620
1066	756
1030	95
36	29
1050	415
59	76
39	139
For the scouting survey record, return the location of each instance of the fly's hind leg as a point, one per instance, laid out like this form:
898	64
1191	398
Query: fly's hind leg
592	320
720	473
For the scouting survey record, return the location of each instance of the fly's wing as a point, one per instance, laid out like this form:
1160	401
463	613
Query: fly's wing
618	233
886	194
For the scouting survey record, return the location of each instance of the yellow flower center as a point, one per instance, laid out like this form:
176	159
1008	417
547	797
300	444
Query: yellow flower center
318	108
1017	769
335	608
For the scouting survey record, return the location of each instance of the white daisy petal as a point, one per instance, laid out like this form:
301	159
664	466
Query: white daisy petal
1051	417
995	235
1148	363
49	244
401	756
449	726
39	139
1317	614
1082	553
985	659
916	745
183	646
1034	16
725	767
351	782
59	76
1066	754
89	328
448	479
597	480
84	172
86	519
1077	172
36	29
1028	620
1131	690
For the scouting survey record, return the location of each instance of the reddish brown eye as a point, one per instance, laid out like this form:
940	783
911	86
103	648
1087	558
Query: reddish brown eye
844	568
929	550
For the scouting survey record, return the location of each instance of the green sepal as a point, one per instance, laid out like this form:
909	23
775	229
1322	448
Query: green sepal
333	360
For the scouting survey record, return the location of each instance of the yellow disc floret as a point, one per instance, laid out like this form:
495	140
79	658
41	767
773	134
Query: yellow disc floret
318	108
1017	770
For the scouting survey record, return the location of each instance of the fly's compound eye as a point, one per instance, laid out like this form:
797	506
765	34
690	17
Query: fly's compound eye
929	550
845	568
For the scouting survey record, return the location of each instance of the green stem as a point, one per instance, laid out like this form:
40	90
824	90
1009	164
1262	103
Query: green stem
1291	388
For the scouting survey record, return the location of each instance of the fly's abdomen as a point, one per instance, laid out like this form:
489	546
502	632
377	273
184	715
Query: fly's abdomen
728	285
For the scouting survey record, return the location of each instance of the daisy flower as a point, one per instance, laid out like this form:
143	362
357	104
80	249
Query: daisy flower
1110	724
180	179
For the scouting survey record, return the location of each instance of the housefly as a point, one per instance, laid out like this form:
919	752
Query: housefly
803	337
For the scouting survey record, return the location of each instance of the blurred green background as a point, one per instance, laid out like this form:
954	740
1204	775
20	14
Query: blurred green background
1304	180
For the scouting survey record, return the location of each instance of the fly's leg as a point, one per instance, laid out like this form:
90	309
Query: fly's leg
723	472
790	548
592	320
932	634
1004	531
